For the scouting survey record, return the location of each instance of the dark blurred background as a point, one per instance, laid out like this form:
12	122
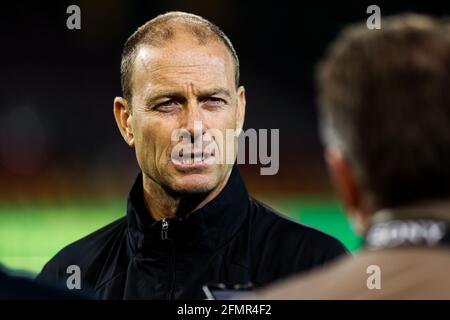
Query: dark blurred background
64	169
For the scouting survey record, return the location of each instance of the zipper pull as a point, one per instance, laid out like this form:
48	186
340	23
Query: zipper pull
164	229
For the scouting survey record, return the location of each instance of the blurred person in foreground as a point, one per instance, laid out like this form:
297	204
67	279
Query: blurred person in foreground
188	223
20	287
384	98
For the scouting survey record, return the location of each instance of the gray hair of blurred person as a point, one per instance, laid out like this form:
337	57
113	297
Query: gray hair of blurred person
384	102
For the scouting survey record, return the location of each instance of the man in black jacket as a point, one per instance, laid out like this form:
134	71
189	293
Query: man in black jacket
190	220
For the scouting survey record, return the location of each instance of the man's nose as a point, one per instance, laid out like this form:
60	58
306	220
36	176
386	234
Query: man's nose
193	120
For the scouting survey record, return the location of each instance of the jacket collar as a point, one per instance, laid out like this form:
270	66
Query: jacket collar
206	228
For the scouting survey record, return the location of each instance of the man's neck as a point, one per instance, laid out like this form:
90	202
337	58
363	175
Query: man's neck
165	205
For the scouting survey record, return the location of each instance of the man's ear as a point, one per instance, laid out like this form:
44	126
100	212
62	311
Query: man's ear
347	187
241	102
124	118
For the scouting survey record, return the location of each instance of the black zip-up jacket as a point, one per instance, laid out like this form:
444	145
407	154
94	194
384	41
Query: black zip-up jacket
234	239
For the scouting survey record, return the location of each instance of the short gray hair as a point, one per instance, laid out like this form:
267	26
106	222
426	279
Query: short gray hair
159	30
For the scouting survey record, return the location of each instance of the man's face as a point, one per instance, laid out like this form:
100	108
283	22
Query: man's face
174	87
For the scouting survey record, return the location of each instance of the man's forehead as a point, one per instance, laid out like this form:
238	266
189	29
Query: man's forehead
173	55
178	55
173	64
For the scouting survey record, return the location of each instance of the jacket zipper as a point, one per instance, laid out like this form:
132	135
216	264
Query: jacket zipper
165	229
165	236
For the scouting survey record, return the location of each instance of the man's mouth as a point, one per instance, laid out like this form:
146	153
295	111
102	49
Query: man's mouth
193	160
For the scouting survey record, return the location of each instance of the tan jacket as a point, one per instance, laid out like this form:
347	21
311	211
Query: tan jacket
405	273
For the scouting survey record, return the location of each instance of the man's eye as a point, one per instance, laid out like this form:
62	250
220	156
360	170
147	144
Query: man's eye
215	101
166	105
